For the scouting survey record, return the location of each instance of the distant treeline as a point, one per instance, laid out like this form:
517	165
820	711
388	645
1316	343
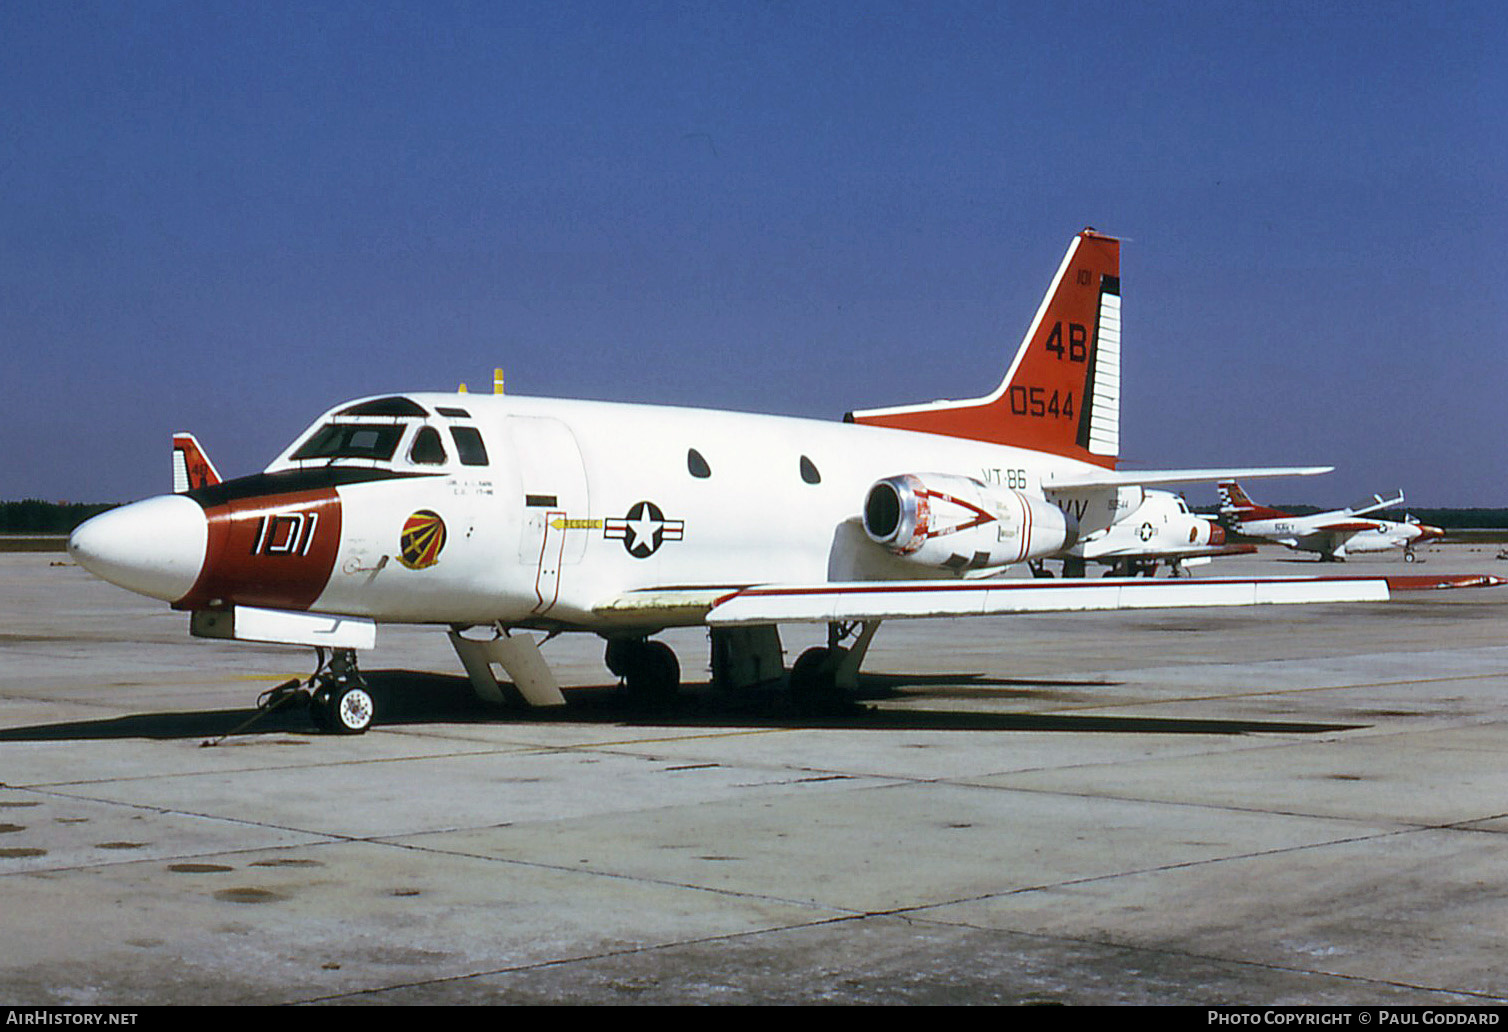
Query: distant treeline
35	517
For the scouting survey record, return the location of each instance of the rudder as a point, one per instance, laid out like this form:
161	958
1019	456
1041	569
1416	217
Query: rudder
191	467
1235	503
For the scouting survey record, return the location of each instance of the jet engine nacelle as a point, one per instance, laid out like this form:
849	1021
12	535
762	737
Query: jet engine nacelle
958	523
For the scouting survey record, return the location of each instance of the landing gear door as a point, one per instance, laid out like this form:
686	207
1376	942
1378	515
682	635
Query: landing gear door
553	480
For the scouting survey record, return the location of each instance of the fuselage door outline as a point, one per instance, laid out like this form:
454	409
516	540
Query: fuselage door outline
553	485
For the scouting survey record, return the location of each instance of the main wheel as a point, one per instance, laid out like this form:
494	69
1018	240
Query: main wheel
651	671
619	654
814	680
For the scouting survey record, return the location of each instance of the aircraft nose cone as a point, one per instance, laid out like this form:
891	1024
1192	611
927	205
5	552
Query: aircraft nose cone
154	547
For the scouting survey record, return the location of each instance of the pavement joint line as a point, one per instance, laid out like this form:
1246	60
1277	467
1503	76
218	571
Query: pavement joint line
1258	694
902	915
328	838
516	749
1246	742
541	965
1402	826
391	841
799	775
1213	958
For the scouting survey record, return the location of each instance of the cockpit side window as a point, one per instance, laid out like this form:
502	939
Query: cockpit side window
427	448
351	441
469	445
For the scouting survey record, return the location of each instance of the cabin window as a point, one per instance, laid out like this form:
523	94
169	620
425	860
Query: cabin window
469	445
427	449
696	465
809	471
351	441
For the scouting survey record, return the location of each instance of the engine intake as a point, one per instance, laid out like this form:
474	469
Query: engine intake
959	523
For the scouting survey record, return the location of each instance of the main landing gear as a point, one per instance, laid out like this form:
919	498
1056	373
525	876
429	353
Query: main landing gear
649	669
823	678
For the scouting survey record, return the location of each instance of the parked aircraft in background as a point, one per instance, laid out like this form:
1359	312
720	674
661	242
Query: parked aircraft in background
497	517
191	467
1160	530
1333	535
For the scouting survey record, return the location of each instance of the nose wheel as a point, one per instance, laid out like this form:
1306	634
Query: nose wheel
339	702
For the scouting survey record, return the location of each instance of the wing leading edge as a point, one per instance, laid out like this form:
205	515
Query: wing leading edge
901	600
891	600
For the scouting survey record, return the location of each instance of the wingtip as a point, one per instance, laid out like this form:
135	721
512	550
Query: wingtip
1426	582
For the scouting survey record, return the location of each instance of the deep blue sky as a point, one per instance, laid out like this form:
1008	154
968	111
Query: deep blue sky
227	217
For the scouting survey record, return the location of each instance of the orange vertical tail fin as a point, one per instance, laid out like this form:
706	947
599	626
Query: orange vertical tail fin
1062	391
191	467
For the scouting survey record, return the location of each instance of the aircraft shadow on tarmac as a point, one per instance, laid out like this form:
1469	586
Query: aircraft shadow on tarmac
415	699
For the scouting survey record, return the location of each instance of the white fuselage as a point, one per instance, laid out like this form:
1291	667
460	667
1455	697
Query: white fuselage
582	502
1301	535
1161	525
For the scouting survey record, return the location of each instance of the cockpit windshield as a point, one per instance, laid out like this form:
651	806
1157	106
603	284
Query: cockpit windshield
352	441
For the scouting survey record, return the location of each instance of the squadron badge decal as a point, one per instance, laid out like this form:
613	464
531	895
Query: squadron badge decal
644	529
423	538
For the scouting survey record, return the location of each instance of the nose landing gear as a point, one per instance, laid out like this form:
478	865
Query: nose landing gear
336	695
338	698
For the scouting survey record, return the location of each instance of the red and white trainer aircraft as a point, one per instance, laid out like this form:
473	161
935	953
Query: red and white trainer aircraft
1334	534
498	517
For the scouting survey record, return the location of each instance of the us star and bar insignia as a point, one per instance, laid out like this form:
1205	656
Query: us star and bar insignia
644	529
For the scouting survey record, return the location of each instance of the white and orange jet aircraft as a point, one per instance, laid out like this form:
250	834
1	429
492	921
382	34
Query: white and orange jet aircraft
499	517
1160	530
1334	534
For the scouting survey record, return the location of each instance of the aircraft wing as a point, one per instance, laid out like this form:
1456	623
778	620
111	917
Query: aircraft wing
892	600
1347	527
911	599
1152	477
1189	552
